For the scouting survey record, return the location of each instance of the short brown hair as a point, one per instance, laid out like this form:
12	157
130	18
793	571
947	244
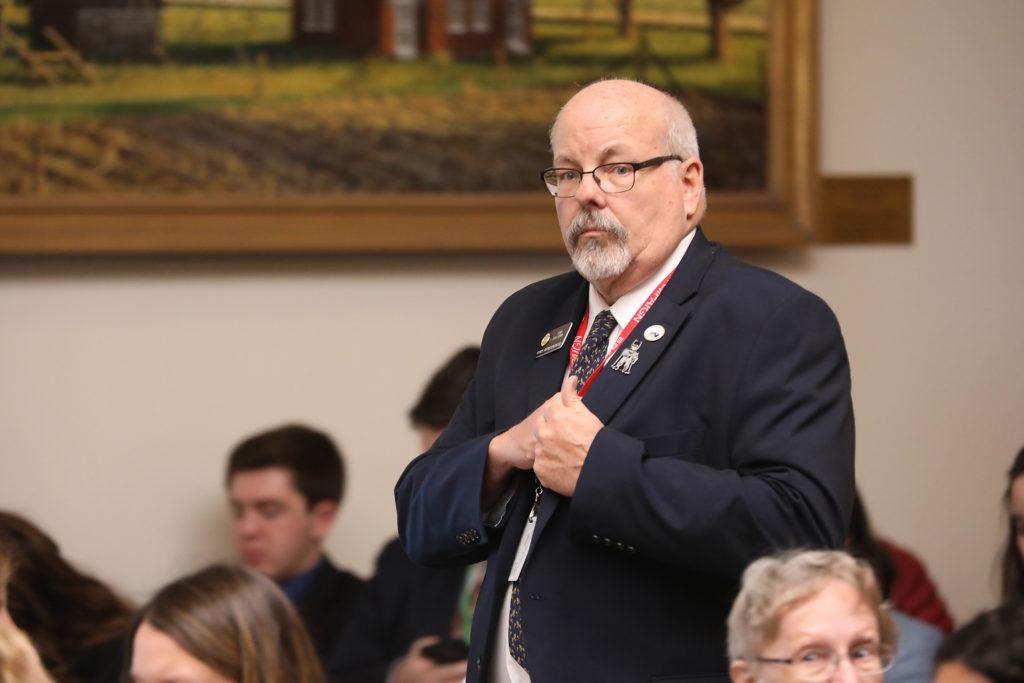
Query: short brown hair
310	455
443	393
235	621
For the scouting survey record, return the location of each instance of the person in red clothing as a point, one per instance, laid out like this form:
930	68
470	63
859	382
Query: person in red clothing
912	590
916	606
903	577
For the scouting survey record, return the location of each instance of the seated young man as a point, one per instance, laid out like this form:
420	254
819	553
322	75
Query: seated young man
285	488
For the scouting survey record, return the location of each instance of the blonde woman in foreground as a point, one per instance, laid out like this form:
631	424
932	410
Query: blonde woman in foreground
224	624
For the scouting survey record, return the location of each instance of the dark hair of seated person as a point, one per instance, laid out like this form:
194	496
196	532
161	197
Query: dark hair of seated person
991	644
1012	560
861	542
236	622
73	620
444	391
312	458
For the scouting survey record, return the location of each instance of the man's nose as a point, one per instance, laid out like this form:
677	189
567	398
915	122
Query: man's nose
248	524
589	193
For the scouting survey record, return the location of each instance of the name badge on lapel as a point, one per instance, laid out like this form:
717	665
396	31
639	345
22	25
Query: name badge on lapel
553	339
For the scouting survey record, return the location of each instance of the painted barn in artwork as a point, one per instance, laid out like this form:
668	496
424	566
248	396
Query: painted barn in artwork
406	29
97	28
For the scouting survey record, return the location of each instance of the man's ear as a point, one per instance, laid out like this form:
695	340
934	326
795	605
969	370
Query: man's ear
692	178
323	514
740	671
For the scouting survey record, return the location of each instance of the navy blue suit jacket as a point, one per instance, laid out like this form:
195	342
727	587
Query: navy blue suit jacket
731	437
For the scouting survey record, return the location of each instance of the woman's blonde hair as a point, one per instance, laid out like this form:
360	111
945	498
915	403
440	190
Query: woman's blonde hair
774	585
235	621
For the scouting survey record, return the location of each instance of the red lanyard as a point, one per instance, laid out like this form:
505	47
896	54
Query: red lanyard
577	343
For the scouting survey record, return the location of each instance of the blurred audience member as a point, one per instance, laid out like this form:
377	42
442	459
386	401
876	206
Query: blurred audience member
443	394
75	622
918	639
1013	553
19	661
814	615
285	487
398	626
987	649
903	577
223	624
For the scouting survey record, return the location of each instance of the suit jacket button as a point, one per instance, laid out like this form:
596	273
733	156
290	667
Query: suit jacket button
479	664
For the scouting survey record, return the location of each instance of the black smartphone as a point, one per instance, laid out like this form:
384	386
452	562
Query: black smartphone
447	650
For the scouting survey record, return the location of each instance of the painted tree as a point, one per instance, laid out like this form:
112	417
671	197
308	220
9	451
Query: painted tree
626	26
720	49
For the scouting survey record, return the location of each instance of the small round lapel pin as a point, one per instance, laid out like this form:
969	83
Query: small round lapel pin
654	333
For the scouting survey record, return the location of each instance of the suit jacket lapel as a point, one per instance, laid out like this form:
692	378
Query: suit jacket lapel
671	311
545	374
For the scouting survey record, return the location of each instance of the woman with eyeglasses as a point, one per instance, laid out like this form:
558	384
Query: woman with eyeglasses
810	616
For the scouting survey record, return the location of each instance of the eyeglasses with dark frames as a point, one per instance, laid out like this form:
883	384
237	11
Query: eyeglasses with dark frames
619	176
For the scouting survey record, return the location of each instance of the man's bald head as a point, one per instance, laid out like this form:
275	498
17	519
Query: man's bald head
639	100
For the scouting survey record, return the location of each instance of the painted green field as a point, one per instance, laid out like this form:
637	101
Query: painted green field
211	58
222	104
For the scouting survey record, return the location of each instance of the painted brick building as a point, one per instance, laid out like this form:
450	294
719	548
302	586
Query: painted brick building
406	29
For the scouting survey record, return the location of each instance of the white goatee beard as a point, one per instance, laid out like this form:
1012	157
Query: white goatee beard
602	257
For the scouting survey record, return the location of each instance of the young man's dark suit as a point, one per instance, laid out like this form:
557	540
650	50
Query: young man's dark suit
404	601
731	436
326	605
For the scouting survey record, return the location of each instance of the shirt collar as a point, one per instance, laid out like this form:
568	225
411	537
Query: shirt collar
296	586
626	306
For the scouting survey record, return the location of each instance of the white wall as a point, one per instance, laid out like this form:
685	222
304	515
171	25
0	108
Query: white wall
123	383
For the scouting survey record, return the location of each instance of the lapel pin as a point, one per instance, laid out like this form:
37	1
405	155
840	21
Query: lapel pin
629	356
553	339
654	333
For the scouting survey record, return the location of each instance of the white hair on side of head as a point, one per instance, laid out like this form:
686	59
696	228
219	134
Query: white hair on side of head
680	135
773	584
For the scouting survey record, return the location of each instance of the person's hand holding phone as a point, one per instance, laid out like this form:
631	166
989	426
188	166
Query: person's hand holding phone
431	659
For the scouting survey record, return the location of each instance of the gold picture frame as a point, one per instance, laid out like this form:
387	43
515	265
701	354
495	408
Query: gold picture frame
782	215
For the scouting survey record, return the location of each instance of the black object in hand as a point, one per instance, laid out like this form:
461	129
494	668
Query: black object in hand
446	651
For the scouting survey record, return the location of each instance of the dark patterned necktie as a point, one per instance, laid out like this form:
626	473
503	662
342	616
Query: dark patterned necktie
516	647
594	348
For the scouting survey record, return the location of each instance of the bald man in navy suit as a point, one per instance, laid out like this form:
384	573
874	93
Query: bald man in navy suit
617	509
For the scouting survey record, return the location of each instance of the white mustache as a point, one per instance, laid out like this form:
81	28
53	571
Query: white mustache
588	219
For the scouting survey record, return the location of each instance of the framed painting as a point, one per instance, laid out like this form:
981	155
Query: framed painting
319	126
